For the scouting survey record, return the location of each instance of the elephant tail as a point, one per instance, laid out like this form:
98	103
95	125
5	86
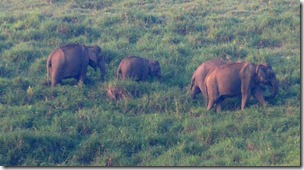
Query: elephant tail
48	70
205	92
118	73
192	83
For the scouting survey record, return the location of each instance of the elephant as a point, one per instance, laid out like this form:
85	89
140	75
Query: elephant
72	60
138	68
239	78
199	75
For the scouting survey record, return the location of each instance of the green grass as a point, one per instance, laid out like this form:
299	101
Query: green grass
159	125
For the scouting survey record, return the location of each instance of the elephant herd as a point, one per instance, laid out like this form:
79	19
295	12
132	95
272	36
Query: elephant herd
71	61
216	79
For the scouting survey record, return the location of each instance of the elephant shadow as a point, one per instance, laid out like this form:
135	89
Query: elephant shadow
70	82
229	104
233	103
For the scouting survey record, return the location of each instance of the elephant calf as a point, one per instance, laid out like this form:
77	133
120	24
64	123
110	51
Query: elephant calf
138	68
239	78
71	61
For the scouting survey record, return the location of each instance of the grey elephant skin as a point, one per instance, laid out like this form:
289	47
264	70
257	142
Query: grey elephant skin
72	60
198	77
138	69
239	78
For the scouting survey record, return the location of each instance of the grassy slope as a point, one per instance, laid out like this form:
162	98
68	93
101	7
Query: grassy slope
160	126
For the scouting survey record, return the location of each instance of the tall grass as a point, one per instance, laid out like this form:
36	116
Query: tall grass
155	123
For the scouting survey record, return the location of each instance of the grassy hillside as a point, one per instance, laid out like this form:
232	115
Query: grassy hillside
157	124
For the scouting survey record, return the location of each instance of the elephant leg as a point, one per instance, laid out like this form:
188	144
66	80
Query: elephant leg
126	75
81	79
219	104
210	104
245	98
257	93
194	91
202	88
122	76
82	76
218	107
54	82
213	96
56	78
245	90
57	73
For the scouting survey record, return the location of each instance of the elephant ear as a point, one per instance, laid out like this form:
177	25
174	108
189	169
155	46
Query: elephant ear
153	66
93	59
93	53
98	51
261	72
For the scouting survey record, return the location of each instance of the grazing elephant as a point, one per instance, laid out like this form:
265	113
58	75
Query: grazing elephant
71	61
138	69
199	75
239	78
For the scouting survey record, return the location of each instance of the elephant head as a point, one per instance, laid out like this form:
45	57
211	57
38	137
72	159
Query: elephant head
154	68
96	60
265	75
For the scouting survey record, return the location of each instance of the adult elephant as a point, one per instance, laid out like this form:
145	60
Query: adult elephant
72	60
239	78
138	69
198	77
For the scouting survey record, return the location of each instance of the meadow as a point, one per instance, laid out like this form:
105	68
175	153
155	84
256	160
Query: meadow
157	124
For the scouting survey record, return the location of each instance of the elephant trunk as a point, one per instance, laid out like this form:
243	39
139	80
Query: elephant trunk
158	75
92	64
275	88
102	68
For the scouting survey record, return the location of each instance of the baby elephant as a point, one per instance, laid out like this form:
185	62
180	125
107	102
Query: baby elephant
71	61
138	69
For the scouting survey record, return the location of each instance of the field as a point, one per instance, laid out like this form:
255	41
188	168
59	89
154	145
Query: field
157	124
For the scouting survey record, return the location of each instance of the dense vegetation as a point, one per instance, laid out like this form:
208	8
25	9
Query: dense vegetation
156	124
